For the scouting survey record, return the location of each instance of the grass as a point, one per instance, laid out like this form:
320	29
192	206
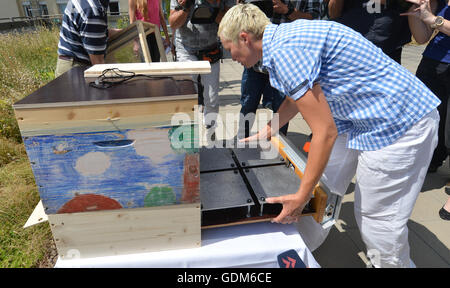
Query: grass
27	62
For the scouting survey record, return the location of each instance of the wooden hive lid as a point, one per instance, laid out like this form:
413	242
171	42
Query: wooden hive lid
69	105
71	89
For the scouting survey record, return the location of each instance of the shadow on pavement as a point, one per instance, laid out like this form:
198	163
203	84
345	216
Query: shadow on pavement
341	248
436	180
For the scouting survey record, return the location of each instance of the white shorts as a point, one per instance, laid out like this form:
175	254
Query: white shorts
388	182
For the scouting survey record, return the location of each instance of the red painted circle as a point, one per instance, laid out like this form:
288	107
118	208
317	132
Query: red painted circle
89	202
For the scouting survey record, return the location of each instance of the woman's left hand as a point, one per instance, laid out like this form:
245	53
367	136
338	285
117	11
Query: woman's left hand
293	205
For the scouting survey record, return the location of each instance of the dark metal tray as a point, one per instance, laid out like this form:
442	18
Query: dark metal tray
234	184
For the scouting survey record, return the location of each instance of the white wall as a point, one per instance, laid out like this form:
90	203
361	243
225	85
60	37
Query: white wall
123	5
8	8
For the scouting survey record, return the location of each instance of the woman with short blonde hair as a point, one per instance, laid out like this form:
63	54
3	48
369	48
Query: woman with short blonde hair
243	17
369	116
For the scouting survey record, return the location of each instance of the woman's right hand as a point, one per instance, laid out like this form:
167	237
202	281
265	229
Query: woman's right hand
183	3
263	135
422	10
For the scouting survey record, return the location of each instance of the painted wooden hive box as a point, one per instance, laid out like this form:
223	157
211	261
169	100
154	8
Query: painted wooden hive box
115	151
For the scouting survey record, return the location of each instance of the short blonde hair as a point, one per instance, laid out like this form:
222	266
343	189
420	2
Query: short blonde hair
242	17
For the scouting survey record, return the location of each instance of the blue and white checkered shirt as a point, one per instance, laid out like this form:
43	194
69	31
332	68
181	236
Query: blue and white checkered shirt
372	98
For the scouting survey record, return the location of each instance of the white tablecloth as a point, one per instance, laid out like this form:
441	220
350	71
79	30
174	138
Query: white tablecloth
254	245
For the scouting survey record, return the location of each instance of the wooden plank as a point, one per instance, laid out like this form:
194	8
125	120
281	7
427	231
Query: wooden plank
265	218
34	122
115	101
126	231
156	68
102	112
143	41
29	129
319	202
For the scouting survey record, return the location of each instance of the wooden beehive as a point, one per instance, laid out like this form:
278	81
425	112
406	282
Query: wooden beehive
112	175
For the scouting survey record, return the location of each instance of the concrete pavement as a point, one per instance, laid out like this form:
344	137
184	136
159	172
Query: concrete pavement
429	236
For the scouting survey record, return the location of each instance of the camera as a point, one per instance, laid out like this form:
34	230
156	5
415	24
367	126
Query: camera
203	12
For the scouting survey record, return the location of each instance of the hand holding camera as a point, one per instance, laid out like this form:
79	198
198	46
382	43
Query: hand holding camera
204	12
279	7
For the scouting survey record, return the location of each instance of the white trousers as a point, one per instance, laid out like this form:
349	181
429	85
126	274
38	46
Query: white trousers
388	182
210	83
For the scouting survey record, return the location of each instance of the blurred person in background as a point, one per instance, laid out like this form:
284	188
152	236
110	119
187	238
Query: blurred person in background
84	35
428	18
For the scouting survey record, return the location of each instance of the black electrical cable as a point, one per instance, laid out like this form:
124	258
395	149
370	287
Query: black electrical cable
113	76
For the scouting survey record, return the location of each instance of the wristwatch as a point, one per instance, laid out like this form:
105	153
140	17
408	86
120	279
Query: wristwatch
438	22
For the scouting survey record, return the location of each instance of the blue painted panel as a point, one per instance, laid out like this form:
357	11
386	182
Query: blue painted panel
136	168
